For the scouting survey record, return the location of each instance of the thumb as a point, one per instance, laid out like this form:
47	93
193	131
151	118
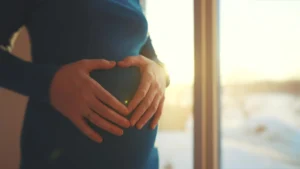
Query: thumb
94	64
130	61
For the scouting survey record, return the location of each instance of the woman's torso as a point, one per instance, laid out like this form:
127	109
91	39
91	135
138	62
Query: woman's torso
64	31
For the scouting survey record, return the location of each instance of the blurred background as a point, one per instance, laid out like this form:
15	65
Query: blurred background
260	75
259	57
259	53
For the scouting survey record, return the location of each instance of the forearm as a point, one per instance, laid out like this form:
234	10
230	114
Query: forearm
149	52
24	77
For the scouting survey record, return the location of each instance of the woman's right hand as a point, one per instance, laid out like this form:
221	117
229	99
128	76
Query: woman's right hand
77	96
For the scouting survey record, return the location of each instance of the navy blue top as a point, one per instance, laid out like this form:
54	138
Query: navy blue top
61	32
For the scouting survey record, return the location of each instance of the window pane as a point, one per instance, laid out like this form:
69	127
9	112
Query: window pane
171	30
260	74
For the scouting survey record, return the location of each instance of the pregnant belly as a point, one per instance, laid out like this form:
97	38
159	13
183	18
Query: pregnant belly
130	151
122	83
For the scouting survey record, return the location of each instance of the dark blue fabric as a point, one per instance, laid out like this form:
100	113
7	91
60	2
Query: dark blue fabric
61	32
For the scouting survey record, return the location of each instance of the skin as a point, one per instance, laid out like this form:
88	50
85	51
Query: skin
149	99
78	97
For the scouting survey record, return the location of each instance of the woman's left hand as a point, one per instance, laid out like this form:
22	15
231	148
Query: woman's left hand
149	98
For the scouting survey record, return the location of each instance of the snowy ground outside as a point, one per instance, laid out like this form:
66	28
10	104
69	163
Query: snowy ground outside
268	139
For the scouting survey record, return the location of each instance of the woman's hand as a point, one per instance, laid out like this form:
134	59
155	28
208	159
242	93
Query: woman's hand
77	96
149	98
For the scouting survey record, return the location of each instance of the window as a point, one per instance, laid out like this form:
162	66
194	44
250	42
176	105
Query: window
260	73
246	82
171	30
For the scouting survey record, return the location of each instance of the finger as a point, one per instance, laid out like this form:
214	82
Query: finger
108	98
108	113
149	113
141	92
87	130
93	64
104	124
145	104
158	114
131	61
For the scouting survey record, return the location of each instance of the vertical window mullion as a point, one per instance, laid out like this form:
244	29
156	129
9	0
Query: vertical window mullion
206	86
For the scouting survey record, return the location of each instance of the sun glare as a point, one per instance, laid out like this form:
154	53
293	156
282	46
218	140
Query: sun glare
172	37
260	43
259	40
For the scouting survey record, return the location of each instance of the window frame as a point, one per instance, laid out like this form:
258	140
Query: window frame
206	86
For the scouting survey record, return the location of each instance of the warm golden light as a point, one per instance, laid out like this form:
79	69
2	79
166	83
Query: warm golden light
174	45
249	51
264	45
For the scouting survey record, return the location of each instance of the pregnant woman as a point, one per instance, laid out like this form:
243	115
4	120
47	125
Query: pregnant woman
95	85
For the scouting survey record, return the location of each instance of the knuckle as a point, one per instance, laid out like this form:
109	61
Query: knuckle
148	74
152	75
155	85
84	62
140	114
148	102
143	92
153	109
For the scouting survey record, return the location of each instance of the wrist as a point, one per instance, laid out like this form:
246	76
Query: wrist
164	71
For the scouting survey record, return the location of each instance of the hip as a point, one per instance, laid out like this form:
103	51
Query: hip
46	131
52	141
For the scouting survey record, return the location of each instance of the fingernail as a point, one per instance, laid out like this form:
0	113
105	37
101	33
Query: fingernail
99	139
129	108
153	127
127	123
120	132
126	111
139	127
133	123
